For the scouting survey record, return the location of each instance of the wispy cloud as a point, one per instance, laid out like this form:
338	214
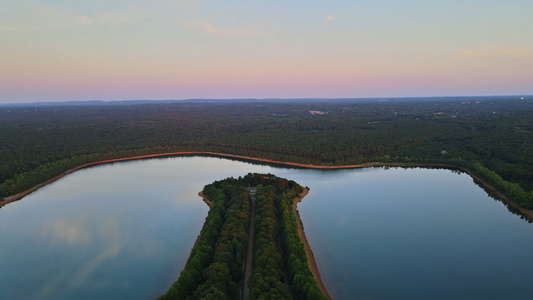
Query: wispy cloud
65	231
43	17
206	27
108	17
83	275
495	52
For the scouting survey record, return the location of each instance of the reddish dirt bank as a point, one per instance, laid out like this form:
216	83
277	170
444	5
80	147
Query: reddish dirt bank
22	194
207	201
18	196
310	257
31	190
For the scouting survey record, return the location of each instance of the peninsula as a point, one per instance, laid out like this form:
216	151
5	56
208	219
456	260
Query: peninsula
250	246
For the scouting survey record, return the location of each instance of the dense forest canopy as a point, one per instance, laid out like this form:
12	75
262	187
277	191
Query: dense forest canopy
492	136
215	268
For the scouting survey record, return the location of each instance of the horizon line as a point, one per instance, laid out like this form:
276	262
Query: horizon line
254	99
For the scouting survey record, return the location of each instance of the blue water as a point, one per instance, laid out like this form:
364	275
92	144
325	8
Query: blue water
125	230
416	234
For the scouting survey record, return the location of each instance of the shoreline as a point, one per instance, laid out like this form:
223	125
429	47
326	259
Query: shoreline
207	201
310	257
210	204
12	198
309	253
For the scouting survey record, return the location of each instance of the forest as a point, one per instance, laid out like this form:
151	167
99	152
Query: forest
490	136
215	269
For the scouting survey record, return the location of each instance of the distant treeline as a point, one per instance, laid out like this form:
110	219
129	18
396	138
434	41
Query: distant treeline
490	136
215	268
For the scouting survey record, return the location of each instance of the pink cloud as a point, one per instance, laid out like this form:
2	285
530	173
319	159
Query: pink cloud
499	53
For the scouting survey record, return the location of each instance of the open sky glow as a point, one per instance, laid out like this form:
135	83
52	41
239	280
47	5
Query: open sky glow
55	50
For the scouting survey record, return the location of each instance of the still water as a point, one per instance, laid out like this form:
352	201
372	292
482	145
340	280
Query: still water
125	230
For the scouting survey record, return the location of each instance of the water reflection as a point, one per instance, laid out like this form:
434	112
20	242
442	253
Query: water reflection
415	234
510	207
125	230
64	233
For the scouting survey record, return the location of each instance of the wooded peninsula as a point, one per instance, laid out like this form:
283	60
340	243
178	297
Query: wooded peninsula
219	267
489	136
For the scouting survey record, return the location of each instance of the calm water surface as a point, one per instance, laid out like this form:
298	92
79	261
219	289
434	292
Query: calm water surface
125	230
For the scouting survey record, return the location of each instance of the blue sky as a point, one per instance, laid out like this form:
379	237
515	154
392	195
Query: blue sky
119	50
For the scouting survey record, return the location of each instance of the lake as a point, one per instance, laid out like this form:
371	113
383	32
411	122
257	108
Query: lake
124	231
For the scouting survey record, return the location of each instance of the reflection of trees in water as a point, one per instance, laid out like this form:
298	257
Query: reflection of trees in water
510	206
494	132
513	208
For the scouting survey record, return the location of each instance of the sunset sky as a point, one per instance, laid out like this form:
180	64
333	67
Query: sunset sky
122	50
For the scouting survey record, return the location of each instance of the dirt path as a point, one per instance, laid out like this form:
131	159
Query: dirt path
310	257
249	257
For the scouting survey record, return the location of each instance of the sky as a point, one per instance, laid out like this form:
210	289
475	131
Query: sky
59	50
